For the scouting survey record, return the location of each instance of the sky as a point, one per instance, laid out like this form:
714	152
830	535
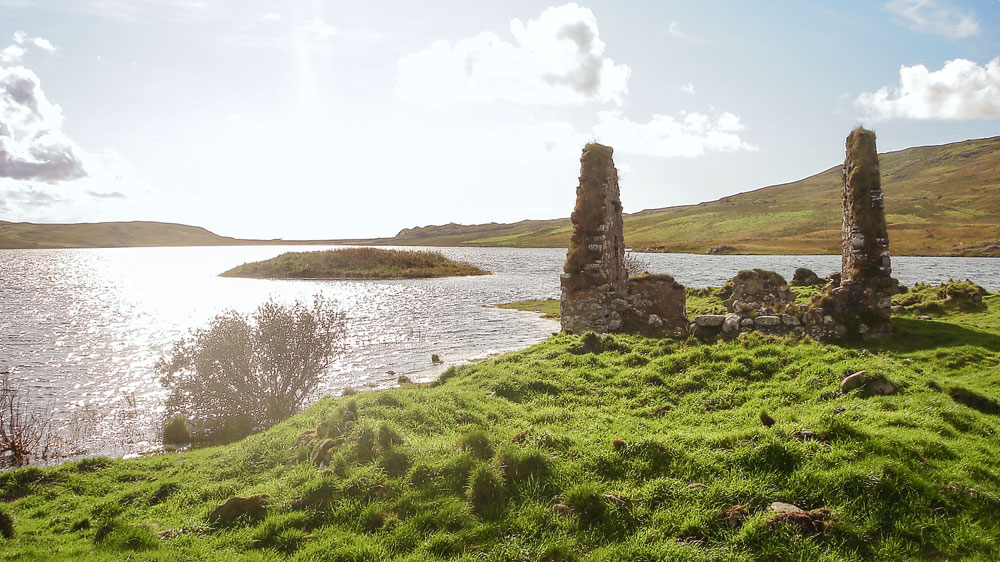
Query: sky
317	120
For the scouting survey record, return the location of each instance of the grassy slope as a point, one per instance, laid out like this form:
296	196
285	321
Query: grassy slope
106	235
355	263
940	200
914	475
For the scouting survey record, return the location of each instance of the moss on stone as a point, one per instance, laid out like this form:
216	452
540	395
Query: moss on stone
862	182
589	212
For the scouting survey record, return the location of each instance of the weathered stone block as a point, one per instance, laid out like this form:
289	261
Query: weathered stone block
655	322
731	323
767	321
789	320
804	277
709	320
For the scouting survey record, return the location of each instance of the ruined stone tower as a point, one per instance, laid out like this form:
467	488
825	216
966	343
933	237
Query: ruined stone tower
865	239
597	293
862	301
594	282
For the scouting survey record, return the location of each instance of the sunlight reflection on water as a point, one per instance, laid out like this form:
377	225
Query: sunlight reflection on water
82	329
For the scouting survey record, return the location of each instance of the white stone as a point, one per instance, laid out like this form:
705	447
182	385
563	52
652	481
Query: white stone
707	320
853	381
767	321
731	323
789	320
782	507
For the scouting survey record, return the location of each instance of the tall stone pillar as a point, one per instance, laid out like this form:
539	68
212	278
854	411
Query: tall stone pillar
594	285
861	305
865	258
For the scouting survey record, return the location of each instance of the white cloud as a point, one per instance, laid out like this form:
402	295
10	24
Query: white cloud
665	137
556	59
687	88
960	90
934	17
44	44
12	53
32	144
17	50
692	135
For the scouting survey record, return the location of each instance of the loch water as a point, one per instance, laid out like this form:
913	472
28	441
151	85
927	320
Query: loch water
81	330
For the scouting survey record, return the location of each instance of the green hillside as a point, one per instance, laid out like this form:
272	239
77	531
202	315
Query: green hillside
940	200
106	235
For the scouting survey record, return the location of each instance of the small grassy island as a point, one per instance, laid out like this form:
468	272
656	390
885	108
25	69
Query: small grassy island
355	263
613	447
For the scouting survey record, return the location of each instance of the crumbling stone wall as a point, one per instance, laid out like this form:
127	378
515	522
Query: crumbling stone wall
596	293
857	301
756	300
756	292
657	303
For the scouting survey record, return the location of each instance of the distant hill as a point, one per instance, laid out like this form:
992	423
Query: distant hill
940	200
107	235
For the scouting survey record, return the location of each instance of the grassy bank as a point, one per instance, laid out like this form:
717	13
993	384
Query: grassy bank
548	308
582	448
355	263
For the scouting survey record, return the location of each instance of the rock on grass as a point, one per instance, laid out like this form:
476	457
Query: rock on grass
236	508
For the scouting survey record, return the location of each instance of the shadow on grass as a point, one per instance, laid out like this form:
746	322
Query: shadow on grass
921	335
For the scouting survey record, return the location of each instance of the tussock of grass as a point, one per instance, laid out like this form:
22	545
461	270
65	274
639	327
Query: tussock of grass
355	263
953	296
620	448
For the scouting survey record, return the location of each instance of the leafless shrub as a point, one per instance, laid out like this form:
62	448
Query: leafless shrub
245	373
24	430
635	265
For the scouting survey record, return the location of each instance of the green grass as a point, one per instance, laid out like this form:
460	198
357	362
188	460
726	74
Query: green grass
642	449
940	200
355	263
548	308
